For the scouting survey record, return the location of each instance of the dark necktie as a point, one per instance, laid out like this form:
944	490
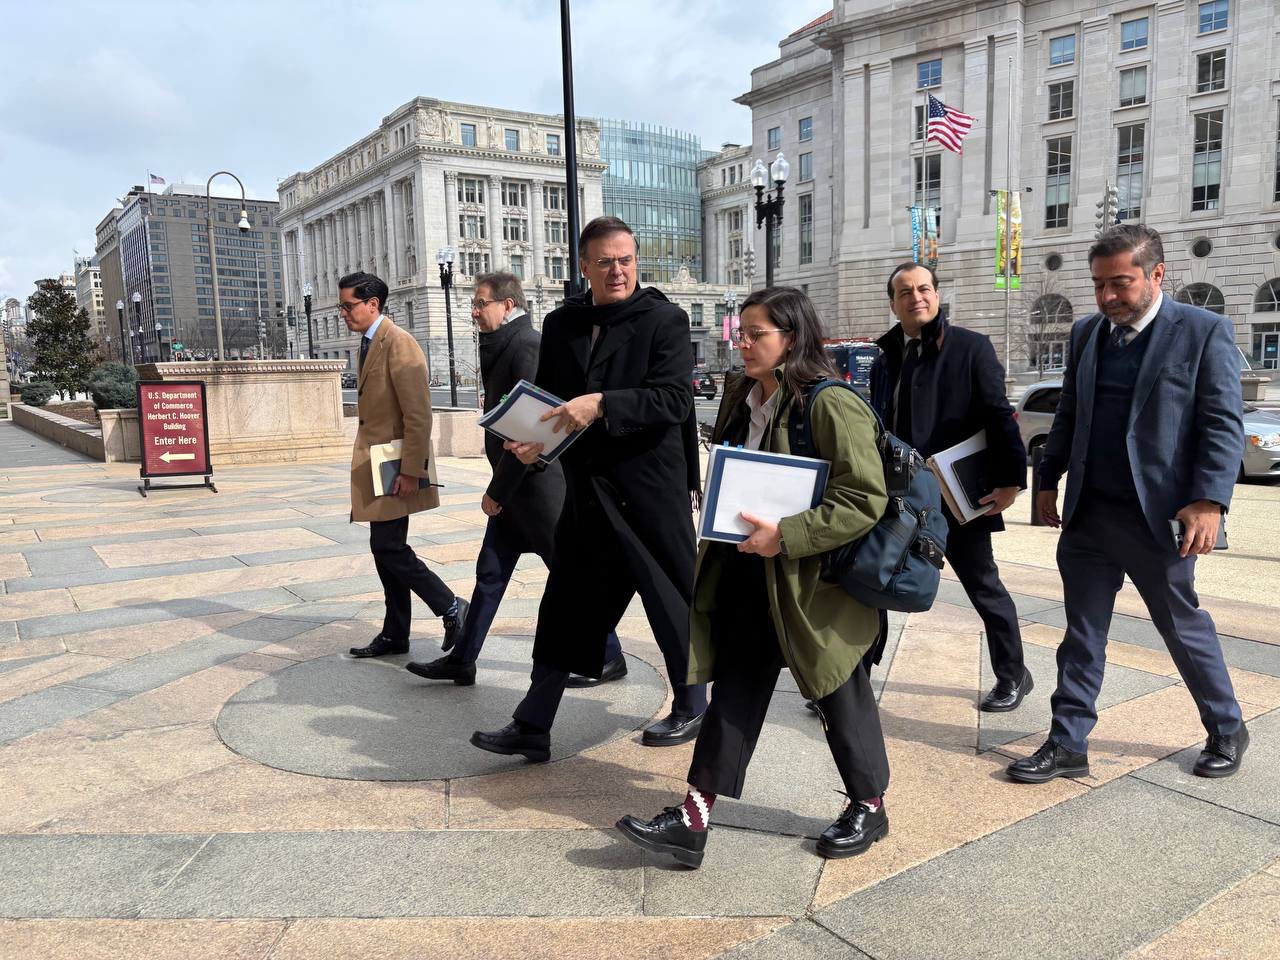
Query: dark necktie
1119	336
902	399
364	349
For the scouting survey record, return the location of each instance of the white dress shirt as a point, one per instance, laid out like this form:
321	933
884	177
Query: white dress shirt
761	412
1141	324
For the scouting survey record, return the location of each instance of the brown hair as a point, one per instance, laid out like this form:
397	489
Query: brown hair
792	311
1145	243
503	286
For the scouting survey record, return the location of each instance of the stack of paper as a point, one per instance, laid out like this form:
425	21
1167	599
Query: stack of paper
962	474
384	461
766	485
518	418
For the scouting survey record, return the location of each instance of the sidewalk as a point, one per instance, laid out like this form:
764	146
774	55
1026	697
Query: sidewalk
190	768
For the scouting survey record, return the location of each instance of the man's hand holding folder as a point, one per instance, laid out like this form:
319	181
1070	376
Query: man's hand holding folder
571	416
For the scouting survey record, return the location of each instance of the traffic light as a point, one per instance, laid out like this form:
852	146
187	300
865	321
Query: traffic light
749	259
1108	214
262	329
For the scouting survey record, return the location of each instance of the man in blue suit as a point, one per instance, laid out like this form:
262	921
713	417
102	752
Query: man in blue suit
1148	430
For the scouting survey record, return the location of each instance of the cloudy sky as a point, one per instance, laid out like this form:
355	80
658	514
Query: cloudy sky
94	95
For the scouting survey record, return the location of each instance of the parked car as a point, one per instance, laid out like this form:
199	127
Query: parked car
348	380
704	384
1038	404
853	358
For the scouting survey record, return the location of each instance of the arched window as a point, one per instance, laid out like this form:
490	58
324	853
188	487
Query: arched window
1203	295
1052	308
1267	299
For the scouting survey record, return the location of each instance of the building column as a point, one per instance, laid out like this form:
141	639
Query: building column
396	235
536	229
494	199
451	208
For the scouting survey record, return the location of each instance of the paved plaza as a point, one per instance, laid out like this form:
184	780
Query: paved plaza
190	766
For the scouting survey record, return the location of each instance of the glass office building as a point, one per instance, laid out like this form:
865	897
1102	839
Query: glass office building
652	184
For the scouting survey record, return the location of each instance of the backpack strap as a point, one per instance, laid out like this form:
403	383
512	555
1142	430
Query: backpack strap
799	432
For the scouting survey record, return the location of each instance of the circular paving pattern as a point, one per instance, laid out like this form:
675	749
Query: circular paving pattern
373	720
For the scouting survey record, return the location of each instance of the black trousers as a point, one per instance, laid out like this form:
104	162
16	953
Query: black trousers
401	571
970	555
748	663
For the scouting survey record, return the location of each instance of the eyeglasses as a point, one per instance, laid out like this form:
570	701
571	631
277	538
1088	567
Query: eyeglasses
752	334
348	307
481	304
607	263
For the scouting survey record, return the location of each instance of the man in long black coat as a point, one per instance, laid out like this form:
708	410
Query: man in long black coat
620	356
936	385
522	505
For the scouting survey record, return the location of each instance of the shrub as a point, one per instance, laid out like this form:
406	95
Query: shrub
114	386
37	393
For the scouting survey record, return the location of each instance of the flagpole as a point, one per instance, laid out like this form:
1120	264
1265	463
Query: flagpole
1008	220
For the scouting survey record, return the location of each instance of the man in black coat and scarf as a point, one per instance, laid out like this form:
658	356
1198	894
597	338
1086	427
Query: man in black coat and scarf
620	357
522	505
936	385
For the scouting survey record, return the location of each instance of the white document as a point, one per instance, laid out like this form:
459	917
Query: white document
767	485
519	418
944	465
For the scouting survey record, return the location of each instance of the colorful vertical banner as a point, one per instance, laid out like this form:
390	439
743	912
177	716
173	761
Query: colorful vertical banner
917	231
931	238
1012	245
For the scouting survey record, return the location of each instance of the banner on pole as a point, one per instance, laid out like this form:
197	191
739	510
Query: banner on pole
916	232
931	238
1011	245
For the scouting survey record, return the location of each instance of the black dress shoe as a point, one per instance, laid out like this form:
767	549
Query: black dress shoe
453	625
380	646
666	833
854	831
671	730
1048	762
514	739
463	674
1221	755
615	669
1007	695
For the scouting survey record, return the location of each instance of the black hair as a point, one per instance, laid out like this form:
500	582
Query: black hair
366	286
1147	247
600	228
910	265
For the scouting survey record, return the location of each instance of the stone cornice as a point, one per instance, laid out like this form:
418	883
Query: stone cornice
896	17
216	368
797	81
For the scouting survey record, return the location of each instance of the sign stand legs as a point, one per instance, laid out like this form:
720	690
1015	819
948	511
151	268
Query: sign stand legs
145	485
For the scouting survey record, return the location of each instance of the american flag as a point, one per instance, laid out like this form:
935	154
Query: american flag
155	179
947	125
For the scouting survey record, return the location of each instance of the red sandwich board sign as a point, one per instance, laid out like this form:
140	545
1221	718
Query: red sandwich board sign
174	424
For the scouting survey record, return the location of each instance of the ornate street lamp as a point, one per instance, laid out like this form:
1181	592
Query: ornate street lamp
244	226
769	211
123	339
444	258
306	308
137	322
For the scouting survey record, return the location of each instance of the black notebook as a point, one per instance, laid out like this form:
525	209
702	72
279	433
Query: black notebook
971	471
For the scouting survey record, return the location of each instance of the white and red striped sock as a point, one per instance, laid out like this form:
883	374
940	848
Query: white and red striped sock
696	809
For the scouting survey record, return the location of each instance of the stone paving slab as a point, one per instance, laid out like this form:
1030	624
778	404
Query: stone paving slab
164	666
58	558
802	940
76	576
22	448
745	873
579	873
1130	859
1254	790
1118	685
373	720
88	876
22	716
950	591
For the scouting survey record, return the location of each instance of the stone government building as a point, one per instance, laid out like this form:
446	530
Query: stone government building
1176	104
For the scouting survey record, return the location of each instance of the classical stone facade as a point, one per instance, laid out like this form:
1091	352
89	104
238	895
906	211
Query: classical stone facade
728	233
707	305
488	182
89	294
1174	104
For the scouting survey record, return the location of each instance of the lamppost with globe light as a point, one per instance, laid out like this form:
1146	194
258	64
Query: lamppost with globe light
137	323
243	226
769	211
444	258
124	340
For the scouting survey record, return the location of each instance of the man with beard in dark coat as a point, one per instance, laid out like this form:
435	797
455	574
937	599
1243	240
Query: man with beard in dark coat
620	356
522	505
936	385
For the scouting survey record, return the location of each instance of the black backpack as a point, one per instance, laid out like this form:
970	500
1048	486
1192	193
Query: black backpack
897	565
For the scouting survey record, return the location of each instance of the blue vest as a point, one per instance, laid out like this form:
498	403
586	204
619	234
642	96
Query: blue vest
1108	472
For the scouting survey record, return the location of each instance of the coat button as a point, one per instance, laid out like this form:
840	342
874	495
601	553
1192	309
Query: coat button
361	423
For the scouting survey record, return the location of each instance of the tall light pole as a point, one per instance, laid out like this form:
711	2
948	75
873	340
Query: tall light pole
213	247
124	339
444	258
769	211
159	342
574	283
306	308
137	322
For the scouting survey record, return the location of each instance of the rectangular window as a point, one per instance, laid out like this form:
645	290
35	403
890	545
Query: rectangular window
774	138
1213	15
554	198
553	144
1133	86
1133	34
517	265
555	231
1276	195
474	263
806	228
1062	97
1130	155
511	140
1206	165
1057	183
806	166
918	127
927	186
408	314
553	267
1062	50
515	228
515	194
471	226
806	129
468	134
735	221
1211	71
470	190
929	74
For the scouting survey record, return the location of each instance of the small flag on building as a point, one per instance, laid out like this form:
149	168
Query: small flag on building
947	125
155	179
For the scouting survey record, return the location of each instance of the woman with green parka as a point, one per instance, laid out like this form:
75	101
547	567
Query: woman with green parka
760	605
